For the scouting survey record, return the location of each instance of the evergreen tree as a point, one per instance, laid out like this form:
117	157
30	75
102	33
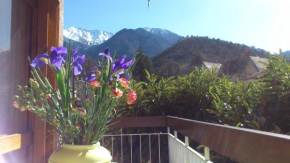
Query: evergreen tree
143	62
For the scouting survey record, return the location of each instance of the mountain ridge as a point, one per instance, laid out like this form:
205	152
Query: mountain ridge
184	56
127	41
88	37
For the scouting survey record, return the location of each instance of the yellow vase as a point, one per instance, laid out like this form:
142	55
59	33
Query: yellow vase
80	154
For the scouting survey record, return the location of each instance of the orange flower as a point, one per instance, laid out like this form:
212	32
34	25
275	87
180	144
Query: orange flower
94	84
124	83
78	126
22	109
131	97
84	112
74	109
118	93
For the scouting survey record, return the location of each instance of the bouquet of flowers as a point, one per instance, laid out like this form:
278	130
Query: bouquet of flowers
84	124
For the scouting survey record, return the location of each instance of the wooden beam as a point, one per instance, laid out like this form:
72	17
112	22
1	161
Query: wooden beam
9	143
154	121
242	145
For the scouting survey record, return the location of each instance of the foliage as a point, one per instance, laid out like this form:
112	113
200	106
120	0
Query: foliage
276	97
83	124
202	95
144	63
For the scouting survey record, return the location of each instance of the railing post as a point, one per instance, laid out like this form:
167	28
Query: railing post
206	154
186	141
175	134
168	130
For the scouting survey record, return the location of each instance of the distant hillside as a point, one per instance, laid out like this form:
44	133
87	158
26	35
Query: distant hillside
286	53
182	57
127	41
76	45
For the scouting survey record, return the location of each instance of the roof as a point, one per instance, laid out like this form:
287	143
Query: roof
255	76
210	65
257	62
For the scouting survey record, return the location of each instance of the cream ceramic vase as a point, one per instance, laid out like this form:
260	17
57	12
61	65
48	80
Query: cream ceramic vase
81	154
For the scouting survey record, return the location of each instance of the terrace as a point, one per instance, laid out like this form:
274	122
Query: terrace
173	143
34	25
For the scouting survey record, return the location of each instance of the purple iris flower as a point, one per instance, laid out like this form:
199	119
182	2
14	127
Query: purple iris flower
91	76
106	54
77	64
119	64
40	60
58	56
75	51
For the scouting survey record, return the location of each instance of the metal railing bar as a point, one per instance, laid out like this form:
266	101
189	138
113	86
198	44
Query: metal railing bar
159	148
112	148
140	150
131	150
137	134
150	148
122	144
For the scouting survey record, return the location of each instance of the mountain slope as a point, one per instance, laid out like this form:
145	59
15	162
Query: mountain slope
88	37
190	52
170	36
286	53
127	41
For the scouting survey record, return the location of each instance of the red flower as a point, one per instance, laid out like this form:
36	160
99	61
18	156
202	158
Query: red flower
98	73
124	83
118	93
16	104
48	96
94	84
131	97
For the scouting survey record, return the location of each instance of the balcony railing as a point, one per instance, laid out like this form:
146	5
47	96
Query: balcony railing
239	144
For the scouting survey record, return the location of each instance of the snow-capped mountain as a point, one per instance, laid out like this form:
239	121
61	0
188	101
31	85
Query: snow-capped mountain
163	33
88	37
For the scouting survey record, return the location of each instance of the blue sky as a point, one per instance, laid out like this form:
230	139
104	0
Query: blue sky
260	23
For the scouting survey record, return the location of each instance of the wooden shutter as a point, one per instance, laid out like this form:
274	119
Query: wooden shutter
28	28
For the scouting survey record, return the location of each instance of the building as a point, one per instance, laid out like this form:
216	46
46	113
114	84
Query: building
254	68
210	66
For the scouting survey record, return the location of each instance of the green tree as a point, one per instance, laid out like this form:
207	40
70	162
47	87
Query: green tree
143	63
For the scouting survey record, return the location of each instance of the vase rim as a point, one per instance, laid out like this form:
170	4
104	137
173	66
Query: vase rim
79	146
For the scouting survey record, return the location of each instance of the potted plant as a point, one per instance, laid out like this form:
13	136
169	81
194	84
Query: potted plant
79	128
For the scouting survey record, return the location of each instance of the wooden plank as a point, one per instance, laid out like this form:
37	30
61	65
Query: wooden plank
42	44
31	3
9	143
154	121
242	145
